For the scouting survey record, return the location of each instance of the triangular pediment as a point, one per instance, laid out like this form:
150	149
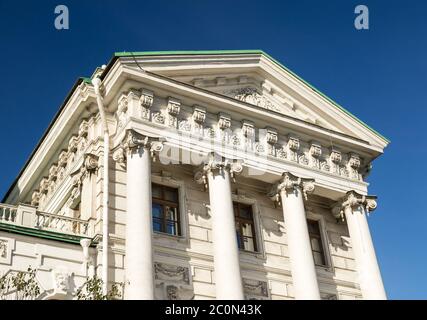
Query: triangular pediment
257	79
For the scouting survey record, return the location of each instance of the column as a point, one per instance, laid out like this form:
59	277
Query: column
139	247
292	189
217	174
355	207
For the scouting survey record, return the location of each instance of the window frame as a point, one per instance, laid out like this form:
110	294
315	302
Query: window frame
163	203
165	239
250	221
324	240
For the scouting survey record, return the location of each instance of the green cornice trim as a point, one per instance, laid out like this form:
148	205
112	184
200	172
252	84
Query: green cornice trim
44	234
219	52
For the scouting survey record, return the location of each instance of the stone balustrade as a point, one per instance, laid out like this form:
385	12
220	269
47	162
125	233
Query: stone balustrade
28	216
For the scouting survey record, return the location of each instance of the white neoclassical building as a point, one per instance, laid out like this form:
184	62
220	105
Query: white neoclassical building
197	175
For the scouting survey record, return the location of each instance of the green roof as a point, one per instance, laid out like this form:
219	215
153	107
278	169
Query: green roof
219	52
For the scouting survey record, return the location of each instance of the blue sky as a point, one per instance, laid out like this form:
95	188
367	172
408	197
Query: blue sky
379	74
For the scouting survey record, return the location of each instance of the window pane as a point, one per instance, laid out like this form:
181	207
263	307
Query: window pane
316	242
319	259
245	212
157	225
172	228
239	239
248	244
316	245
156	191
157	210
171	194
247	230
244	227
171	213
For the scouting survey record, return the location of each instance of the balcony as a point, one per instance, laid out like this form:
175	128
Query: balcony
28	217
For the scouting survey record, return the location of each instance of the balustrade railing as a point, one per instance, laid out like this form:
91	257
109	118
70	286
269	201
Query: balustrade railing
30	217
59	223
7	213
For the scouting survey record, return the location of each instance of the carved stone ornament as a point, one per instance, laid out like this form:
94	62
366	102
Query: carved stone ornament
248	129
173	107
271	136
146	99
335	156
315	150
172	273
251	95
224	121
293	143
217	163
290	183
255	287
3	248
354	200
134	140
61	280
199	114
90	162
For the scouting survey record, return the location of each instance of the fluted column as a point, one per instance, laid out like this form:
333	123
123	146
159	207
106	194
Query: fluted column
355	206
139	272
217	174
291	191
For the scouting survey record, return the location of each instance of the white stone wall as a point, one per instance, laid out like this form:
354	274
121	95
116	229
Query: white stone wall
49	257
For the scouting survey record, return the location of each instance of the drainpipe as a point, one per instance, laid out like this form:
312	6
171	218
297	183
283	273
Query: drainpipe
105	194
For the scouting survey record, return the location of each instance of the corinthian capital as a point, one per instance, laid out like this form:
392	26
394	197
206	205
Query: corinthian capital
354	200
289	183
134	141
217	163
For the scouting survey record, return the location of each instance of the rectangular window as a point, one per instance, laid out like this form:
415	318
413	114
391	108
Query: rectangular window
165	210
316	242
245	227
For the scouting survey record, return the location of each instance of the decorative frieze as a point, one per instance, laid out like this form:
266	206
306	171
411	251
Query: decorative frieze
167	272
255	288
200	124
251	95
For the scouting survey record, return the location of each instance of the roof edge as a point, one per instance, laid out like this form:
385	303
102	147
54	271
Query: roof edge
254	51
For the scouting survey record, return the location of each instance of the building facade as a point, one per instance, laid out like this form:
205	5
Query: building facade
223	176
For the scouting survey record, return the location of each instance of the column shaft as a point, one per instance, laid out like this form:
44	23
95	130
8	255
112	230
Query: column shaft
139	247
226	252
300	252
367	266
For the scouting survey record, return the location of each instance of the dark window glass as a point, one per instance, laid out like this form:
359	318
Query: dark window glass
165	211
316	242
245	227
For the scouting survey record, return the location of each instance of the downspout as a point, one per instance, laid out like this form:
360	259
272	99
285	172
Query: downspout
105	190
